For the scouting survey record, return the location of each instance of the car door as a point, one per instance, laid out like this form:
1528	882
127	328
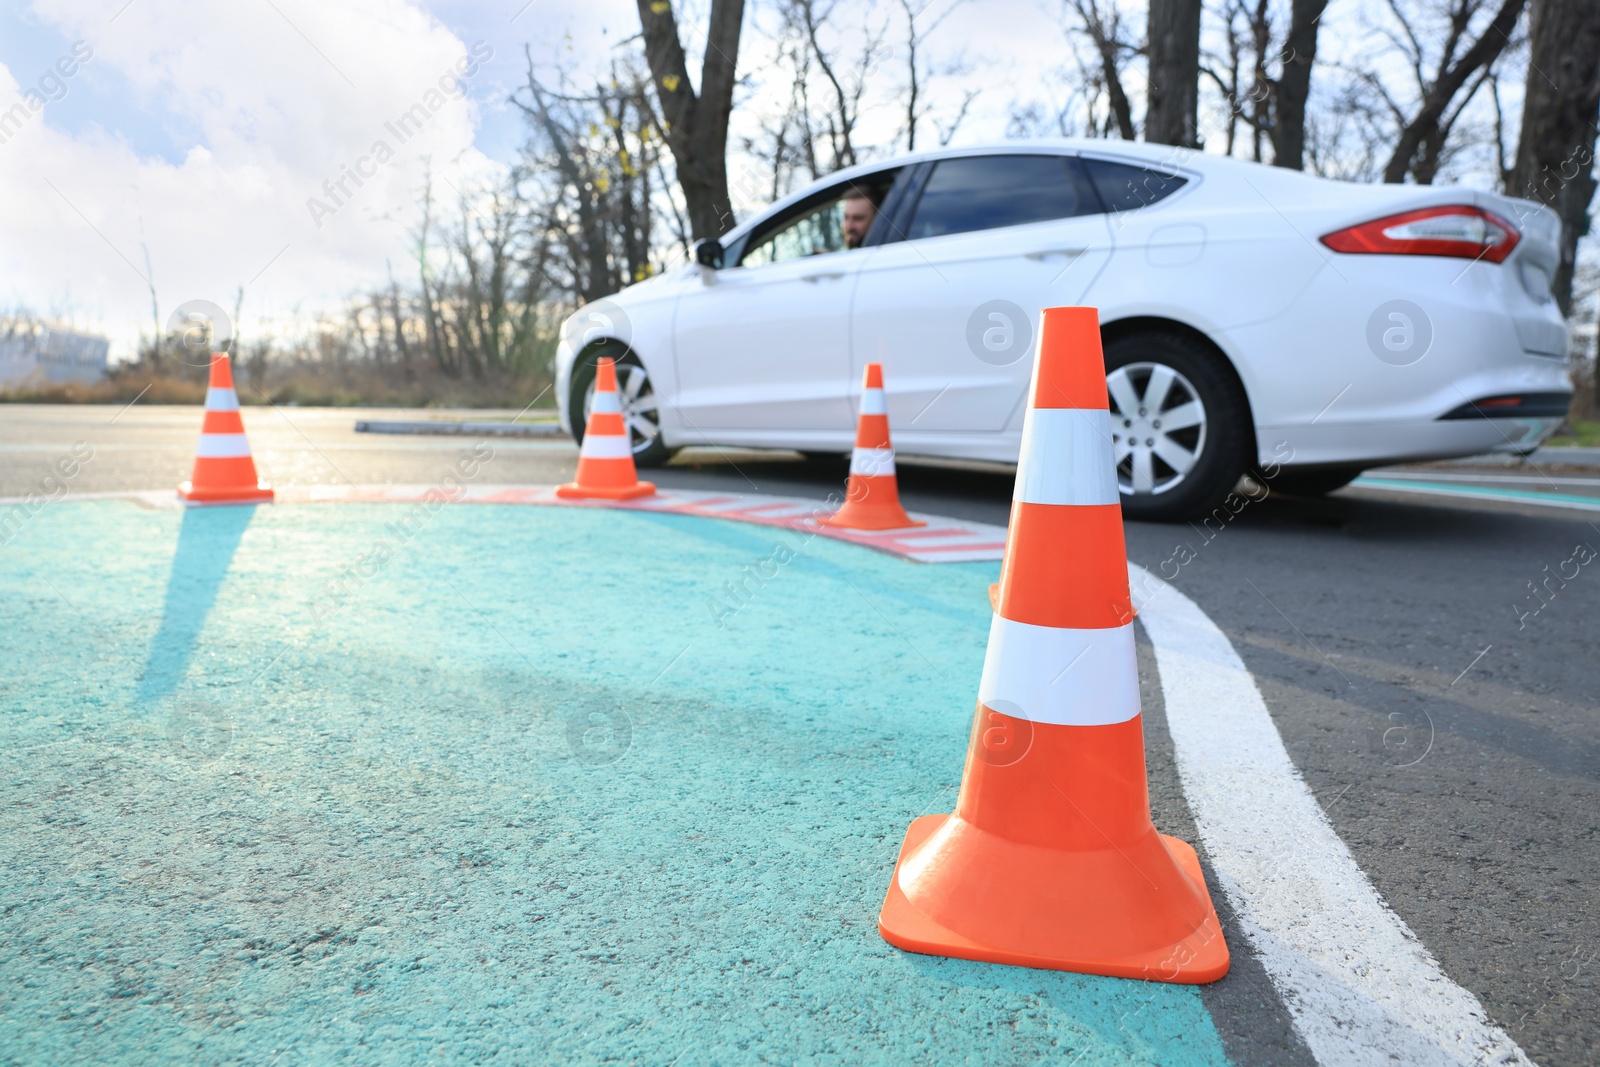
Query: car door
951	307
763	344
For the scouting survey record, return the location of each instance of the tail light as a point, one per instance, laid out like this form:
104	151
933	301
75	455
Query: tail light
1460	231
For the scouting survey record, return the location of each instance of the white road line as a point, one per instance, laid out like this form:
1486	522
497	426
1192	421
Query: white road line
1360	986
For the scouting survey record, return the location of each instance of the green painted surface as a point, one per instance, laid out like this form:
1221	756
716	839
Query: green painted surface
365	784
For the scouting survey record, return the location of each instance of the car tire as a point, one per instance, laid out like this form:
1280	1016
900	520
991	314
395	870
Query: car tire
640	406
1181	453
1315	481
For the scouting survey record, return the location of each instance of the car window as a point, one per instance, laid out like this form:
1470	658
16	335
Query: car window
1125	187
813	233
986	192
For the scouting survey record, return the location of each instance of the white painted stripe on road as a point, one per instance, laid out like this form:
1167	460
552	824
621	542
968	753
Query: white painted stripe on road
222	400
1059	675
872	462
872	402
605	403
606	446
1066	458
222	446
1360	986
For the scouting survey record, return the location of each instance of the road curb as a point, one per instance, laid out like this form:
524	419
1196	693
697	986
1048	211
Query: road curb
463	429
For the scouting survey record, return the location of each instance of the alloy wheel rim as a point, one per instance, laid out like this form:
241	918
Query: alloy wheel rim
1158	427
640	407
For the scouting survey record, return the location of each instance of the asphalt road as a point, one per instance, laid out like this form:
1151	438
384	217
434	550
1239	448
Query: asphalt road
1446	715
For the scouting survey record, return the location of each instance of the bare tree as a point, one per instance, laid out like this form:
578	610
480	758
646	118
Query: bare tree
1446	83
1173	32
1247	33
1107	35
917	74
598	153
696	124
1555	154
848	83
1263	88
1224	71
1294	84
421	237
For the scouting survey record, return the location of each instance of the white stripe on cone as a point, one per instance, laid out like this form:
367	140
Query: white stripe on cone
606	446
222	400
1058	675
223	446
1066	458
605	402
872	462
872	402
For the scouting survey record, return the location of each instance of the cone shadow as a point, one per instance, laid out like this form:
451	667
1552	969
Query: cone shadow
207	541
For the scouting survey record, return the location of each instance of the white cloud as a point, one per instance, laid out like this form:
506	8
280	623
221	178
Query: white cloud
286	96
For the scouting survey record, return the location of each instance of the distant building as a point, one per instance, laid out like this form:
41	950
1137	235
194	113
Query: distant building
34	350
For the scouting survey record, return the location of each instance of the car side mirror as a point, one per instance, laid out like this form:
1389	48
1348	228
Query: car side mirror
708	253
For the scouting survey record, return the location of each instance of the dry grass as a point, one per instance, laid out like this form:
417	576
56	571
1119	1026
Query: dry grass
309	385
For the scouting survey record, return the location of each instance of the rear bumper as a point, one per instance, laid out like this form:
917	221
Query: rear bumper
1377	443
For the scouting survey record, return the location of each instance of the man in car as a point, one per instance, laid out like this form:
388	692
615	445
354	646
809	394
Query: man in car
859	213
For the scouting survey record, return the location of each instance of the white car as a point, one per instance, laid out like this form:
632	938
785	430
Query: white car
1252	318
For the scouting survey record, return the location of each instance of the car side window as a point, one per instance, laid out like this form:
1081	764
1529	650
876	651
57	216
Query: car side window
830	220
1126	187
987	192
813	233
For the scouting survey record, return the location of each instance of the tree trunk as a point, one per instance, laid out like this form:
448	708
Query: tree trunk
696	125
1174	33
1294	84
1119	99
1484	51
1555	156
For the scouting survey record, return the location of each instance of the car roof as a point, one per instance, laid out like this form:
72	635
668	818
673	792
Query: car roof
1131	151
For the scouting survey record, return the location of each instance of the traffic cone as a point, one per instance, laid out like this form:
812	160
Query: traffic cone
872	496
605	461
1050	859
223	473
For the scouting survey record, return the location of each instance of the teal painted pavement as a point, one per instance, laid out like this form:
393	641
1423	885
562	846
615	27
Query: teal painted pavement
362	784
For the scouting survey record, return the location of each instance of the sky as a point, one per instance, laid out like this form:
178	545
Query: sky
197	133
208	147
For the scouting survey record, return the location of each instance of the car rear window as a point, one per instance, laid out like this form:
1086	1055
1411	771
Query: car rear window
986	192
1125	187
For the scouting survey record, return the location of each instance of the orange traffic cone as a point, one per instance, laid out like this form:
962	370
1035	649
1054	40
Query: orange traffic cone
872	497
224	473
1050	859
605	462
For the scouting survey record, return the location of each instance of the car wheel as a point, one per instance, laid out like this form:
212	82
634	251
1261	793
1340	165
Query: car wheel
1180	425
1316	481
641	409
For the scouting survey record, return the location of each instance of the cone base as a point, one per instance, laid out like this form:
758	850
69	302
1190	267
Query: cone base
574	491
260	493
1199	958
855	516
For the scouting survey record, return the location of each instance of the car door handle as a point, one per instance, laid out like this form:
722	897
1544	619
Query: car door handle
823	276
1055	253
